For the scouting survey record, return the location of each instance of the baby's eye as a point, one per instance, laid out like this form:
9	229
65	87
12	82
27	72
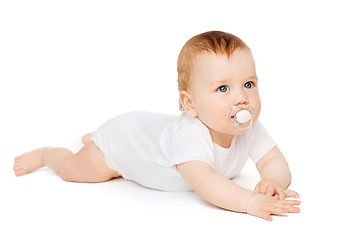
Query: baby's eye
248	85
223	88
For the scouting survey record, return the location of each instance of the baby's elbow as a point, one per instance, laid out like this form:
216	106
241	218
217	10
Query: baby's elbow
289	174
289	179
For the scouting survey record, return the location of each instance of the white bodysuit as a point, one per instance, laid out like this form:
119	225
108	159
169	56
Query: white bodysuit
145	148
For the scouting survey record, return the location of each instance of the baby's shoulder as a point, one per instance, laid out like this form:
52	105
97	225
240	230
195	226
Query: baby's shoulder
184	124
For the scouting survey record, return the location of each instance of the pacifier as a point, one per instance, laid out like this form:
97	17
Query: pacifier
241	116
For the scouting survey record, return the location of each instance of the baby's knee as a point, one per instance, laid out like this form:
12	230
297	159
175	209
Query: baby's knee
66	172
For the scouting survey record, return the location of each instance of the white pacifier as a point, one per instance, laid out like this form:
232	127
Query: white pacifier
241	116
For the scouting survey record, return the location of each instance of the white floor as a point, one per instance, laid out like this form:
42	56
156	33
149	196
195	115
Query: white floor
42	206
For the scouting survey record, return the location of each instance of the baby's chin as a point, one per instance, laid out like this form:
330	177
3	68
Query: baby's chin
235	131
240	132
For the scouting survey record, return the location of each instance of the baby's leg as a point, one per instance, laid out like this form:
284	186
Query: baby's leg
88	165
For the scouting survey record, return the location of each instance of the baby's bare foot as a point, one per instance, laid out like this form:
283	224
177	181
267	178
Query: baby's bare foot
28	162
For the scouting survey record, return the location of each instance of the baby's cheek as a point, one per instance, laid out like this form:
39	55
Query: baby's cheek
257	108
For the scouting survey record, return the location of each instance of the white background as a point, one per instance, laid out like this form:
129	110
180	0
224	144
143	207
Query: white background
68	66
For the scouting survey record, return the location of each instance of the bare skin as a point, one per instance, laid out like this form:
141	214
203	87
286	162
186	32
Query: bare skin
23	166
86	138
88	165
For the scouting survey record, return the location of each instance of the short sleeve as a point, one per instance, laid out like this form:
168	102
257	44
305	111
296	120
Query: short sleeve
259	142
184	144
189	145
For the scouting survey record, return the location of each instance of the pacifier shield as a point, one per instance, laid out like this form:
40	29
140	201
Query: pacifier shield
241	116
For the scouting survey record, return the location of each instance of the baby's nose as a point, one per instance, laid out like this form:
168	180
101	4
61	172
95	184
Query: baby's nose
241	98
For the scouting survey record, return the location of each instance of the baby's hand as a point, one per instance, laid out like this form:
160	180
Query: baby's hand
272	188
263	206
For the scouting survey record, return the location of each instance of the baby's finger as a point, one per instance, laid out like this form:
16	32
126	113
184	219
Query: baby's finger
281	194
264	214
283	210
290	202
290	193
282	207
294	209
257	189
263	189
278	209
270	191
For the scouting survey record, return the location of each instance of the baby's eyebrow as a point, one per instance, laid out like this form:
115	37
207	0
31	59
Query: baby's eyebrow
252	78
221	82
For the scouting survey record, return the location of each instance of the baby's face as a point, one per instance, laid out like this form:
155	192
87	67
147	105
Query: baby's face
219	84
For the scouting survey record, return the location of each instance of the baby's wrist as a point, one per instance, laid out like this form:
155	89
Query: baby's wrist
249	202
271	180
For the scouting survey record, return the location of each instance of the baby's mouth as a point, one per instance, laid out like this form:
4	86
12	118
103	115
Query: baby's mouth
241	116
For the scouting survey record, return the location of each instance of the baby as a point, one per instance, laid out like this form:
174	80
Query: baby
201	149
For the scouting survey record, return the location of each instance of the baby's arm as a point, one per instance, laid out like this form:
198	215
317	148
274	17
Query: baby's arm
214	187
220	191
275	175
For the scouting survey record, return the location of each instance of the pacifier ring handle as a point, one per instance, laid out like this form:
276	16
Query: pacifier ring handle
243	116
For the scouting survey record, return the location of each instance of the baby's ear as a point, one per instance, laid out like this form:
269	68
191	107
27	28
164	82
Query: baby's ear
187	104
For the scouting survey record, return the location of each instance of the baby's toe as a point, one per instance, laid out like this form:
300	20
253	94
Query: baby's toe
19	172
18	169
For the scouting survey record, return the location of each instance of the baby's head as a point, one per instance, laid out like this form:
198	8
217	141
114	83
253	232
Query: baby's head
216	79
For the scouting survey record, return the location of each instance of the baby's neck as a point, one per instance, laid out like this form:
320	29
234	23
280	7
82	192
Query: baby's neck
223	140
